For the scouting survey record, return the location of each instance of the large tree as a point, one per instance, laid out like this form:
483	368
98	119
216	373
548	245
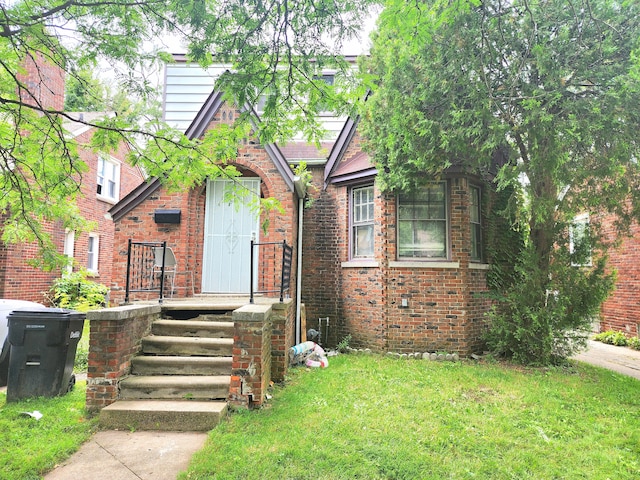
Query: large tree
557	84
274	48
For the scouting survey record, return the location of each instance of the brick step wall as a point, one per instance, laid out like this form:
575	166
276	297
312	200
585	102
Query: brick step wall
183	372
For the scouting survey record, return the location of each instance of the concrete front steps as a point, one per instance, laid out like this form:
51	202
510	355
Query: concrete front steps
181	379
167	415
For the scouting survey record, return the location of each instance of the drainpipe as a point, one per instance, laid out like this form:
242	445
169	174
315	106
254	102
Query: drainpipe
301	191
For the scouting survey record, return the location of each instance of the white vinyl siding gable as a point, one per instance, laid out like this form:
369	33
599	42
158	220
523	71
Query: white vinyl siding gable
187	87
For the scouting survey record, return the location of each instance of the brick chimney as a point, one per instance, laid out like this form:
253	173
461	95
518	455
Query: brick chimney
43	82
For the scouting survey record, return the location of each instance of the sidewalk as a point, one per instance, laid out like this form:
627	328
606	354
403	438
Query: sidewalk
619	359
118	455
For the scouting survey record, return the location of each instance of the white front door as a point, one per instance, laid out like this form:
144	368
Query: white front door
228	228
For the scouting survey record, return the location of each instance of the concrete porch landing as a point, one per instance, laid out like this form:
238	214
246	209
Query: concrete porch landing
208	301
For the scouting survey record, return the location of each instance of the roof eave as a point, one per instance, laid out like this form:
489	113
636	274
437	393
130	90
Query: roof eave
354	177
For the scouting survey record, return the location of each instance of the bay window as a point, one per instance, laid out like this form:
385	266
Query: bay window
423	223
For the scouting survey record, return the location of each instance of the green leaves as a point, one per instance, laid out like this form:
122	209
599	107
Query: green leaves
554	83
277	49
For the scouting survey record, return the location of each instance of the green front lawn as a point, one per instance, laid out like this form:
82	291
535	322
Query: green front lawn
31	447
382	418
377	417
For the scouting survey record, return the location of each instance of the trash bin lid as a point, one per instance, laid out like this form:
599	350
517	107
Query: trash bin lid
46	313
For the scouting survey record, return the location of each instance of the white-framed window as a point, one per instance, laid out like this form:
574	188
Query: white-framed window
93	250
475	218
69	247
108	179
362	221
580	241
423	223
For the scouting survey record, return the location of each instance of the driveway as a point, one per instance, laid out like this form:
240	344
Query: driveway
619	359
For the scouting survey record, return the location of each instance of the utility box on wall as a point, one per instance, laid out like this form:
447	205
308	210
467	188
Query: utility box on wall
167	216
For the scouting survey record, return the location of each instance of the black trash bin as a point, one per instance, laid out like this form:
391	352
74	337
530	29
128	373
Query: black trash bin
43	349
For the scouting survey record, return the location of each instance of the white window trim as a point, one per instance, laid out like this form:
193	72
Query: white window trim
446	260
424	264
102	196
69	247
360	264
471	224
93	266
352	225
579	219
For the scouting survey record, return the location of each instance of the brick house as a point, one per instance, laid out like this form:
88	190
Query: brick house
401	273
108	179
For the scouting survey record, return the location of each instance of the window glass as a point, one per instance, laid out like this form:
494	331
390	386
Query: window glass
92	253
580	242
475	214
422	223
69	247
362	204
108	179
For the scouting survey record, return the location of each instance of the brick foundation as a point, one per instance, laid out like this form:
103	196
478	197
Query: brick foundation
115	338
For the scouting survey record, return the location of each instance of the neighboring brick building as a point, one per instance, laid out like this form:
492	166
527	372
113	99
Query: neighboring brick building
108	179
621	311
397	273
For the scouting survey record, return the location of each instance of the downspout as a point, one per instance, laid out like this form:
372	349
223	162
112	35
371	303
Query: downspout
301	191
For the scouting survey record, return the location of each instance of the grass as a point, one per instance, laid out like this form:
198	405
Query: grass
82	351
377	417
31	447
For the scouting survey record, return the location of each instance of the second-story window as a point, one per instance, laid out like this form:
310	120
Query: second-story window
362	221
108	179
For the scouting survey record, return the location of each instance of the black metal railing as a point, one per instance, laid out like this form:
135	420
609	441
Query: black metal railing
144	272
273	272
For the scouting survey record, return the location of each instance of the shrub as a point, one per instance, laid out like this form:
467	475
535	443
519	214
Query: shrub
76	292
541	319
612	337
634	342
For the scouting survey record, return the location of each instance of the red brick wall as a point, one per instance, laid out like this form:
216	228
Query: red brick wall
43	86
43	82
445	309
94	208
187	238
622	310
115	338
321	237
20	280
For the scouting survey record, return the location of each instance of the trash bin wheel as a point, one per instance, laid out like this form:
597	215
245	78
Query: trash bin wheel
72	383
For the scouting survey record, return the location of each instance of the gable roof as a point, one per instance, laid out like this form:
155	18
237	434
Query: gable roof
195	130
209	111
134	198
357	167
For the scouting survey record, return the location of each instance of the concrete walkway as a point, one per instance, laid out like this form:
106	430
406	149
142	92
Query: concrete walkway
118	455
619	359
